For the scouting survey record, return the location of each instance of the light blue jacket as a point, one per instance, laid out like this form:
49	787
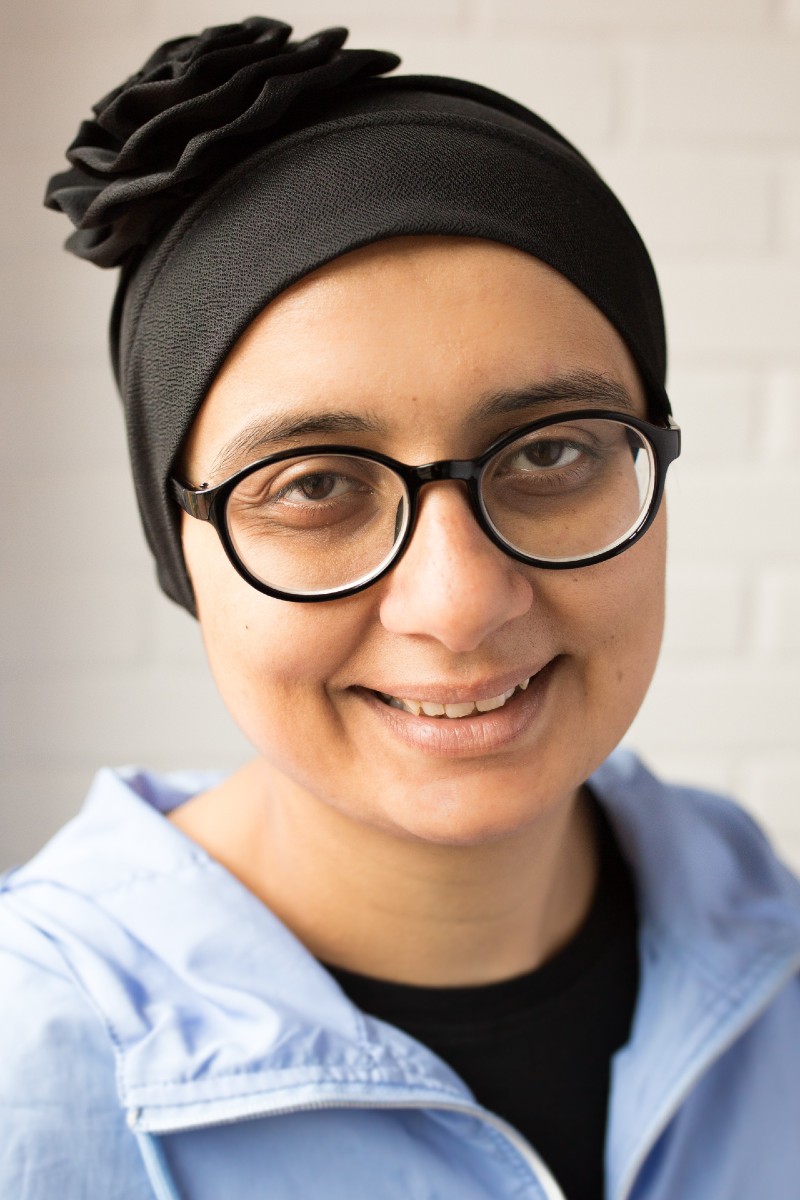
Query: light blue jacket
163	1034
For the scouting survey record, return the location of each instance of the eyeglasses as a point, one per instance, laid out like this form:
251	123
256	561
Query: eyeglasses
320	522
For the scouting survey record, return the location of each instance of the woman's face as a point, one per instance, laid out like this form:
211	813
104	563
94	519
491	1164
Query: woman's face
405	342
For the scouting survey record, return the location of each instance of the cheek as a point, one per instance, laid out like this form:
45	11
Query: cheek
611	618
617	612
266	655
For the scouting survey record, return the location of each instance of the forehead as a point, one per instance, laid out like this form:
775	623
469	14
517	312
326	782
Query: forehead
413	336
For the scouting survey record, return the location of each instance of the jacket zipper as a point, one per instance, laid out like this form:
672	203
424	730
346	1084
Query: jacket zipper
691	1077
535	1164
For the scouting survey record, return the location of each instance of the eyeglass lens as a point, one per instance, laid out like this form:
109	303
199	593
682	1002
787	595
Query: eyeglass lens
316	524
326	522
570	491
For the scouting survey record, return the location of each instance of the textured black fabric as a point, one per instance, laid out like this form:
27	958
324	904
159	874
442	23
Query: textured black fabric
353	164
536	1050
197	105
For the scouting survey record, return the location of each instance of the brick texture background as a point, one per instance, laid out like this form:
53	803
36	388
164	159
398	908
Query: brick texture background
691	108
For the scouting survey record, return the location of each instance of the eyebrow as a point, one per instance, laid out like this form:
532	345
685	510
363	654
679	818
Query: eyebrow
577	389
270	431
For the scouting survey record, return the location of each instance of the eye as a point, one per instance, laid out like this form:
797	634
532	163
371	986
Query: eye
543	457
553	462
545	454
314	493
306	483
318	486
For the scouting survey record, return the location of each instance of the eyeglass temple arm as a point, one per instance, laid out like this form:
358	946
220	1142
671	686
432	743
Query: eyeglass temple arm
672	439
195	501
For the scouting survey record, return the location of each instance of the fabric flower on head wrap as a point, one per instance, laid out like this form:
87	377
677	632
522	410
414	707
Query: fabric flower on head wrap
197	105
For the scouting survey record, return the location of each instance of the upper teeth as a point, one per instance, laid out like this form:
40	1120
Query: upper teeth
462	708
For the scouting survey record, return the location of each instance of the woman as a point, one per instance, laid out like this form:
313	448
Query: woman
392	361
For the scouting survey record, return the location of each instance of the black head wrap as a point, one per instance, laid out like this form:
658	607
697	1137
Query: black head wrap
236	162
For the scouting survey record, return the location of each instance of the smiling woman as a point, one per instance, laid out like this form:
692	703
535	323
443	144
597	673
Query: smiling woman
457	620
399	436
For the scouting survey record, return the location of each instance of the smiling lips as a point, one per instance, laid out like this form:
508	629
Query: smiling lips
462	708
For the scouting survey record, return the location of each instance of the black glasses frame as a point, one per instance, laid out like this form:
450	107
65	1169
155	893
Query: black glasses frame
209	503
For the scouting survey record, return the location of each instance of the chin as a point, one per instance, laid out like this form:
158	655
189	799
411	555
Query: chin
486	808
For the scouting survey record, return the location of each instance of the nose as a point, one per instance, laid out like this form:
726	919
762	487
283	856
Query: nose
452	584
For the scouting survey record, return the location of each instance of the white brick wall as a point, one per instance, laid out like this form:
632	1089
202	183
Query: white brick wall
725	90
789	227
688	201
781	426
615	17
776	612
692	110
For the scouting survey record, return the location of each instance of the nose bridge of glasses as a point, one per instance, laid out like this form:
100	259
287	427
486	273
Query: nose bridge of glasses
450	468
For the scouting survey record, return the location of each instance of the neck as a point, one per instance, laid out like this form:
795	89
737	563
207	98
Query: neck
398	909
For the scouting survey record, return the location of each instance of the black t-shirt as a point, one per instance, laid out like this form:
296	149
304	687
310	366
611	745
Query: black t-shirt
536	1049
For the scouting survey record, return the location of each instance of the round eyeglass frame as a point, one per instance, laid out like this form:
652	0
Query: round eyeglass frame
209	503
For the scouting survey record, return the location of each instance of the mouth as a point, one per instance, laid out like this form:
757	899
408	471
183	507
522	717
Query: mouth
456	710
462	721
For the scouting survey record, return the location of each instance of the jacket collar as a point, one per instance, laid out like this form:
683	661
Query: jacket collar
217	1011
214	1008
719	937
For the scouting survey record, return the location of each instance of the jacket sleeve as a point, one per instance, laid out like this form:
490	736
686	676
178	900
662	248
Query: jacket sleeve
64	1135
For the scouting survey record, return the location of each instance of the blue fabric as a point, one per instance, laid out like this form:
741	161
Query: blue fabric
164	1035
